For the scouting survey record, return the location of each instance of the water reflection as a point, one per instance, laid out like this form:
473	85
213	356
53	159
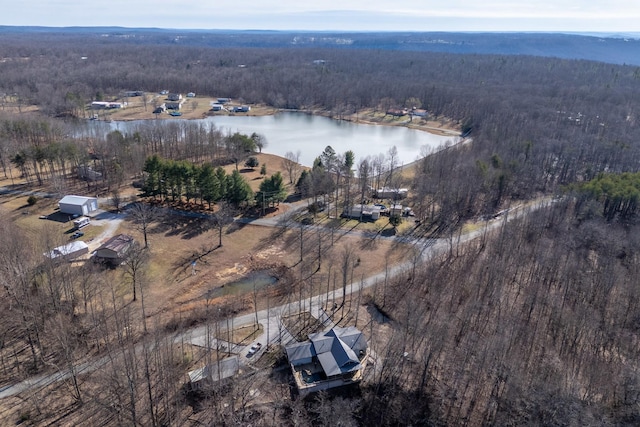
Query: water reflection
254	280
308	134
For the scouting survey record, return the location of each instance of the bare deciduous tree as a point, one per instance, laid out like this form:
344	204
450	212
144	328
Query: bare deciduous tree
143	216
291	164
134	267
222	217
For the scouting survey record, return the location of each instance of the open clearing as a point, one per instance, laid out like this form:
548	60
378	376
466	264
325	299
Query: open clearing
171	287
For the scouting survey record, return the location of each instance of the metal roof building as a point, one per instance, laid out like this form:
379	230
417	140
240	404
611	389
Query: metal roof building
78	205
69	251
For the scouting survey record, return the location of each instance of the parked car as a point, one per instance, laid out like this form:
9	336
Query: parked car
254	348
175	113
77	235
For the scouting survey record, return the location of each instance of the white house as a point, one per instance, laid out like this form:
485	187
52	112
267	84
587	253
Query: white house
78	205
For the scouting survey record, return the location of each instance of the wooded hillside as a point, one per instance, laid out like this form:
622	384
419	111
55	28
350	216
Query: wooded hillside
535	322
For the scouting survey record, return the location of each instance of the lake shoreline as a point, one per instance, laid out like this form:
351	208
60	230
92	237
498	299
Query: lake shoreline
442	127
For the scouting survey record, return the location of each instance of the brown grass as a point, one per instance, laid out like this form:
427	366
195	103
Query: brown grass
193	108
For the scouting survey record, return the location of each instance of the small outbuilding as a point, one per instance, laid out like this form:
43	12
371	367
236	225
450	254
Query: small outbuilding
205	377
395	210
87	173
114	250
78	205
69	251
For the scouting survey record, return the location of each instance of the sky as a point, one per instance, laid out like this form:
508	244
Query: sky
612	16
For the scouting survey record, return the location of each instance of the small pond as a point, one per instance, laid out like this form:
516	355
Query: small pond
256	279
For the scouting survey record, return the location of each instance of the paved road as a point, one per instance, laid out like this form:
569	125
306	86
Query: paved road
273	330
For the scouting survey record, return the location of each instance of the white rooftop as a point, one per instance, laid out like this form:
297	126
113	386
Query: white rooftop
75	200
67	249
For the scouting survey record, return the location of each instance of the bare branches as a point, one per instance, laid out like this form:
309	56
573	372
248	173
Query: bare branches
143	215
291	164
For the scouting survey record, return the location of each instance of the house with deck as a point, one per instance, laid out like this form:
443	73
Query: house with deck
329	359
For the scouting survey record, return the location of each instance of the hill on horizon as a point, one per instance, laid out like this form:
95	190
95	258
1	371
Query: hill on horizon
605	47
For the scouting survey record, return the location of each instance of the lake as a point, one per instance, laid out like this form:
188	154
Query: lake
309	134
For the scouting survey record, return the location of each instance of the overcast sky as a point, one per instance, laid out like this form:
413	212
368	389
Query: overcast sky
332	15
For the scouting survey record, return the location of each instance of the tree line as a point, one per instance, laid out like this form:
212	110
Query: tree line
176	180
537	123
533	324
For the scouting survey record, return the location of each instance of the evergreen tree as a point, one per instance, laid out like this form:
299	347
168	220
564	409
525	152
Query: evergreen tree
238	191
152	167
272	191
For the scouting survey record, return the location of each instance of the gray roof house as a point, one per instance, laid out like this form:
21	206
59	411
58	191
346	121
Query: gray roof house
329	359
174	105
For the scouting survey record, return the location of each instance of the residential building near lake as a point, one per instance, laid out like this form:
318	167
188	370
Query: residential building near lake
103	105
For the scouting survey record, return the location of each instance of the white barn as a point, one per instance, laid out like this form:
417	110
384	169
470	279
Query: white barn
78	205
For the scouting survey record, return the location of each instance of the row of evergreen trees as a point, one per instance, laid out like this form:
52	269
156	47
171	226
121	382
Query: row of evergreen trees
178	179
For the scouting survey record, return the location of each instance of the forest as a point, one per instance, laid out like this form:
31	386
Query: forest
534	322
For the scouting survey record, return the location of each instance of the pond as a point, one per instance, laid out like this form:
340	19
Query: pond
256	279
309	134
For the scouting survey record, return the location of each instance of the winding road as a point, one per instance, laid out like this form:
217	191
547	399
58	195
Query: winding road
273	329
